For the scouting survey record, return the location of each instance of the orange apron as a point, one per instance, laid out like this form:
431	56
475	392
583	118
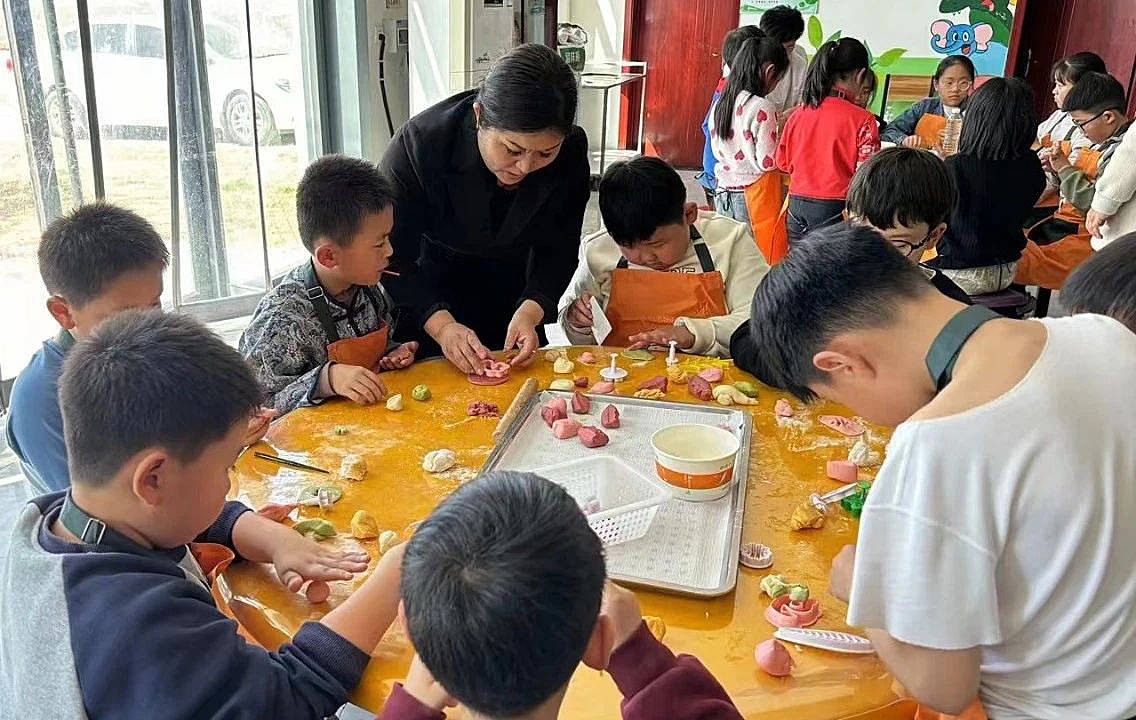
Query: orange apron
928	129
214	559
1047	266
642	300
364	351
765	203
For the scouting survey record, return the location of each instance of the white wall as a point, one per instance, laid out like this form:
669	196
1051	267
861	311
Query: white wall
604	22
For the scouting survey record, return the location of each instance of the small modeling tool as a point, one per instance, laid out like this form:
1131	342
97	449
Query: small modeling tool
613	373
671	359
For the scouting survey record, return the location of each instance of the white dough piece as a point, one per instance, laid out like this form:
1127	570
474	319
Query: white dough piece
862	454
437	461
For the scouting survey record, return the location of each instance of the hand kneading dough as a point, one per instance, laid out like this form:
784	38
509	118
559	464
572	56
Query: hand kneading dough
437	461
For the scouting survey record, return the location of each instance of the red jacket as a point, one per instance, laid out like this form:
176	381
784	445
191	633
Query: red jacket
654	683
822	147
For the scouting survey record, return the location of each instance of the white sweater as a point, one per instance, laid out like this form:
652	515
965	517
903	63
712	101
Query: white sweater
750	151
1114	192
735	255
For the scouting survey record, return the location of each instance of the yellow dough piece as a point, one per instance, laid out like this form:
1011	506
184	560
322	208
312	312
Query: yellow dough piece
650	394
656	625
806	517
387	540
677	375
353	467
363	526
730	395
563	366
394	403
565	385
437	461
553	355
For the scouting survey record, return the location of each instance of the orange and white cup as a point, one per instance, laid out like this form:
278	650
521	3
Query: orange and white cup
696	462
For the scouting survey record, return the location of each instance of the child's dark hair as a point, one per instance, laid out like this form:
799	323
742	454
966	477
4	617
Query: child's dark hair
1068	70
835	60
1001	122
902	186
1105	284
82	253
783	23
147	379
335	195
501	586
529	89
639	196
747	73
733	42
951	61
1095	93
839	278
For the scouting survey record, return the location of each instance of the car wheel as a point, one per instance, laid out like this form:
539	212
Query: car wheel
56	101
238	121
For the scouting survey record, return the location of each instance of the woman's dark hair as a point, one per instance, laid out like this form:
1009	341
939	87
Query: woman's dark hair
952	60
747	73
1069	70
783	23
734	40
835	60
1001	122
1105	284
529	89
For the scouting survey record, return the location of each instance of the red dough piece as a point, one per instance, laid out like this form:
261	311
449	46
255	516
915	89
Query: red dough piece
842	425
581	405
655	383
700	388
318	591
581	382
276	512
783	612
551	413
844	471
592	437
609	418
565	428
782	408
483	409
486	381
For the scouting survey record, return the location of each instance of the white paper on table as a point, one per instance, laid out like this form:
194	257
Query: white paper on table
601	327
556	336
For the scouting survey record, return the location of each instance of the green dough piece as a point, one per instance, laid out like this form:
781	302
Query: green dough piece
637	355
312	491
854	504
747	388
799	592
774	586
315	528
421	393
341	430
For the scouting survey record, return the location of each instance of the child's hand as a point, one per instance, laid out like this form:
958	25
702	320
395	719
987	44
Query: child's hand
912	141
421	685
299	559
400	357
1094	220
663	336
357	384
1058	160
258	425
840	578
580	313
621	607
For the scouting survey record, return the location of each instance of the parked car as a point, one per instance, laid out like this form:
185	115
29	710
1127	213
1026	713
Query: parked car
130	81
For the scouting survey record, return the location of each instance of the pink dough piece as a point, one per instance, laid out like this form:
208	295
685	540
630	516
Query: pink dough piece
559	403
581	405
609	418
581	382
844	471
783	612
318	591
655	383
565	428
773	658
587	358
592	437
842	425
495	369
482	409
711	375
603	388
700	388
782	408
485	380
551	414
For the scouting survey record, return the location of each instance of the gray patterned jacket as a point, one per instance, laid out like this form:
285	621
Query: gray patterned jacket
286	345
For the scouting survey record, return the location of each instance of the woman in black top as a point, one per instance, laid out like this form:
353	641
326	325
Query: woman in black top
491	186
999	179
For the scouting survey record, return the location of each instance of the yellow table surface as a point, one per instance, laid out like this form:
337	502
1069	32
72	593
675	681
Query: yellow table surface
785	467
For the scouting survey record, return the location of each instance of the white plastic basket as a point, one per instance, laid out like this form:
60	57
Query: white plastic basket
627	501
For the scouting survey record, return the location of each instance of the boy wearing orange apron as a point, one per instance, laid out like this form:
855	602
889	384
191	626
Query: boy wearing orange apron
662	270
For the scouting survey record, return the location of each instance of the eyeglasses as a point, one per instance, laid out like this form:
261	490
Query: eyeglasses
909	249
961	84
1081	125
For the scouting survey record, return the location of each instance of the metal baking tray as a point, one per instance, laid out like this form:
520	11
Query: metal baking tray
692	547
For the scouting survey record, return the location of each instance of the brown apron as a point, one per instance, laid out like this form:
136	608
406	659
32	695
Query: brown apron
364	351
1049	265
765	203
642	300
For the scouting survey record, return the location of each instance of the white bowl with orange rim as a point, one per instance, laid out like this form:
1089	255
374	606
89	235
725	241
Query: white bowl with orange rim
695	462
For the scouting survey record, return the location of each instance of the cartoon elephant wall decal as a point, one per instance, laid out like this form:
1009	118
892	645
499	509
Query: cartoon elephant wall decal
963	39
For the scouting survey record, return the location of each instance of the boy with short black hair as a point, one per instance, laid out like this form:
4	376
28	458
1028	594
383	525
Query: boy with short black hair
662	270
907	195
325	329
995	516
503	591
106	611
786	25
1105	284
95	262
1057	245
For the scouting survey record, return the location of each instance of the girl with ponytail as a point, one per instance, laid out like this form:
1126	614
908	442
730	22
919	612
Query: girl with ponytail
743	128
828	138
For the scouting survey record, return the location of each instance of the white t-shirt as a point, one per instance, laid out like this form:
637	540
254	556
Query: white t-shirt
1012	526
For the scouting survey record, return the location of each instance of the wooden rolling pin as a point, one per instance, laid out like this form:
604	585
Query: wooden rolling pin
529	389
